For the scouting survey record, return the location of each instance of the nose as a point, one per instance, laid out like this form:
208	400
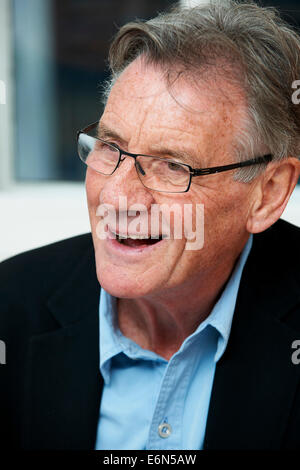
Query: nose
138	166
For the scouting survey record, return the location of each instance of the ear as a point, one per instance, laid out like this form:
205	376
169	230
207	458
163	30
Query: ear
271	193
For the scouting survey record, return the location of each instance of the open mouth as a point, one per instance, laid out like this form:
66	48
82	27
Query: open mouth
137	241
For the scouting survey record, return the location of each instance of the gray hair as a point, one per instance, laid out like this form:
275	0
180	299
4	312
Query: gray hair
262	53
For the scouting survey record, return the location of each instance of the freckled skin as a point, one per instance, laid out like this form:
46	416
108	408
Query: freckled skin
153	294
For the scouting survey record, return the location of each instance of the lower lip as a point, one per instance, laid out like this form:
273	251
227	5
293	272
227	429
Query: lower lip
121	249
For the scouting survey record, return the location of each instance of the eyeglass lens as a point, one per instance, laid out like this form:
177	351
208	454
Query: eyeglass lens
155	173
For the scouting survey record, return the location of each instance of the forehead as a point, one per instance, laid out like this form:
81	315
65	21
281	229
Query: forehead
147	103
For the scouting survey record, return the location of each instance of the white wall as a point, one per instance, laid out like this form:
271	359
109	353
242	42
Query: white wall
32	215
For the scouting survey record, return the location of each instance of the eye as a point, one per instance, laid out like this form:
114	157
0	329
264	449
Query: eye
113	144
113	147
175	166
105	145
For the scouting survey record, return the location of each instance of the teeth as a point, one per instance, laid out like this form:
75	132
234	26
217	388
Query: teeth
136	236
139	237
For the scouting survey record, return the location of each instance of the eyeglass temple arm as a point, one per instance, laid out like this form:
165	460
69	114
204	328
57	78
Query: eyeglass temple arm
217	169
88	128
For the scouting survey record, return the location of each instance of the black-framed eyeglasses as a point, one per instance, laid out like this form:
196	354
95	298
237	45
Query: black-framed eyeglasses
155	173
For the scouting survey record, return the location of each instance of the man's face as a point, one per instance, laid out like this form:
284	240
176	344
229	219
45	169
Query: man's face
200	124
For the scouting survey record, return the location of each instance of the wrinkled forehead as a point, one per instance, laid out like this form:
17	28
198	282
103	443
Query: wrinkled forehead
142	80
146	97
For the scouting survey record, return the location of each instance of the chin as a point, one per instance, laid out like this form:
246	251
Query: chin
122	284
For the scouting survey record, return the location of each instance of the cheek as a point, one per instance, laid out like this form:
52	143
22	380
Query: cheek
93	186
224	210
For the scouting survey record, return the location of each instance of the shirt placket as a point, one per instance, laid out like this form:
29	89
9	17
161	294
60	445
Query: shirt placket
166	426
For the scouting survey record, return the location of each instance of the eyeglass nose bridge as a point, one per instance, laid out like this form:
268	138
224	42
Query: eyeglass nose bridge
137	164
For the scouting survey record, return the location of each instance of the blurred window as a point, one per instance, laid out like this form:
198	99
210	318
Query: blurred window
61	49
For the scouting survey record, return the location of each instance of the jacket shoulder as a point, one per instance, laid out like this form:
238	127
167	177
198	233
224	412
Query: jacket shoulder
281	229
35	274
279	244
272	271
64	251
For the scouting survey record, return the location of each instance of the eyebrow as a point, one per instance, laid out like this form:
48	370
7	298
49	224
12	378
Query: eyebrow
184	157
106	132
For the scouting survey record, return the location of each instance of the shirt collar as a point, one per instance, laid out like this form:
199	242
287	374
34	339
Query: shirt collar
112	342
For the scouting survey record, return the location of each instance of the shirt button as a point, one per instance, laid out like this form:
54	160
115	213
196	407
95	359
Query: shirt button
164	430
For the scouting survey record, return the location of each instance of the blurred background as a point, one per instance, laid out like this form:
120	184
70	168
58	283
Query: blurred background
52	64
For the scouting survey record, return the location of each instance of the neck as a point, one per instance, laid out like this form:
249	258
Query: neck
162	321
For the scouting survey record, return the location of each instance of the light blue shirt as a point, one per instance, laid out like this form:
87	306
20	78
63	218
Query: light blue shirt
149	402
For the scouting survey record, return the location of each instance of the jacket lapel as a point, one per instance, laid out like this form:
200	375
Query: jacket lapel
64	384
255	380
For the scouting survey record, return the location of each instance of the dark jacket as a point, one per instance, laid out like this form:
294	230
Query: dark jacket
50	386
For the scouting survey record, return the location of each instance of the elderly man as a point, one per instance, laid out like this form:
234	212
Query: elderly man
191	345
